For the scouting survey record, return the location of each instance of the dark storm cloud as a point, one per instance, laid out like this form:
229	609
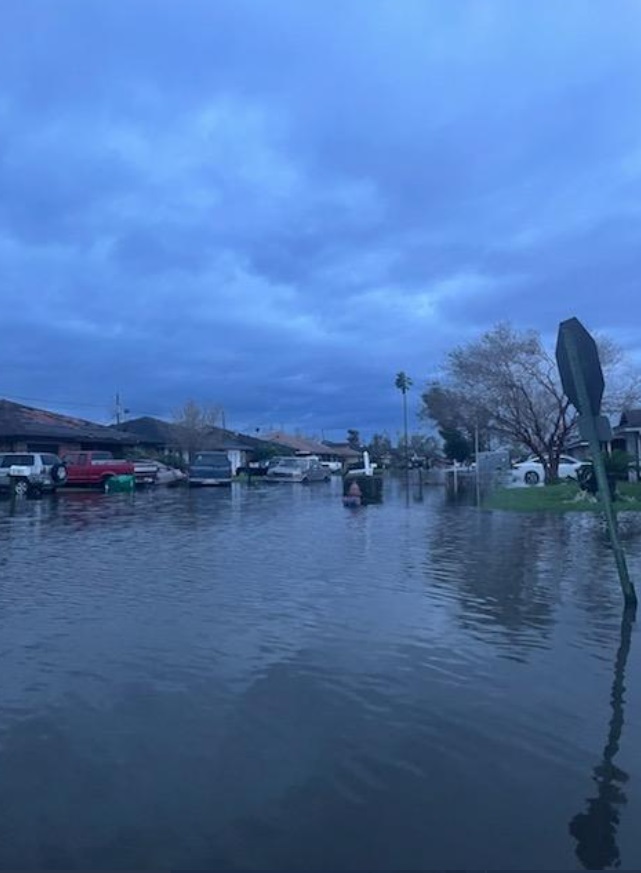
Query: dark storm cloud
278	205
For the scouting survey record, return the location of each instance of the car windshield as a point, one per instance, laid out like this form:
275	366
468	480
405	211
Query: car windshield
289	462
18	460
211	458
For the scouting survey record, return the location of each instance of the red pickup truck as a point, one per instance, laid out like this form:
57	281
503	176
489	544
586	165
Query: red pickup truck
94	468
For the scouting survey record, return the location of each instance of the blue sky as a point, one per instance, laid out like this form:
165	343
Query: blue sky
275	205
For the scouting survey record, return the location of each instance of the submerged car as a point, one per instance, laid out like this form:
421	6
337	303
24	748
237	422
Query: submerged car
531	471
163	473
210	468
297	470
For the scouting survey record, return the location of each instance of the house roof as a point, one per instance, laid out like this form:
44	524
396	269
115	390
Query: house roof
17	421
303	445
630	418
153	430
343	450
165	433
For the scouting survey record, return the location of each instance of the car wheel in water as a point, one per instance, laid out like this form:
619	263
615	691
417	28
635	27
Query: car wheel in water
58	474
532	477
21	487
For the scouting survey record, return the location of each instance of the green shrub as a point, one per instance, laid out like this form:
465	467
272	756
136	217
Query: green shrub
617	464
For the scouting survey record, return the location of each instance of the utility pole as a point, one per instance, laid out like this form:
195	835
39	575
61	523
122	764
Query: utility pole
120	411
476	464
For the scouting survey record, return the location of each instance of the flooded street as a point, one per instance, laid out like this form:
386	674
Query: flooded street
261	678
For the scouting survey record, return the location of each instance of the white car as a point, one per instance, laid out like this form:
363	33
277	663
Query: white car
31	473
532	473
332	466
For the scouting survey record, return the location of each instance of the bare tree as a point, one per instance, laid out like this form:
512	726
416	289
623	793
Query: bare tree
509	381
195	422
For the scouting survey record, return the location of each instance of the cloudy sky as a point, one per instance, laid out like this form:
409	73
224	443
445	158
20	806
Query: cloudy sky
275	205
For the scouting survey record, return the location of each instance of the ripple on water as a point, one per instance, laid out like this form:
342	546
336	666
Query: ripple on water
256	668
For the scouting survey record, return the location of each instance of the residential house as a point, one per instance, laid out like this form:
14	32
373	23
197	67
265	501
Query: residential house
627	436
27	429
343	452
155	435
163	437
298	445
324	451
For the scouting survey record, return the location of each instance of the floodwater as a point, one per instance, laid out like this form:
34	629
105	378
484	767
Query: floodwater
262	678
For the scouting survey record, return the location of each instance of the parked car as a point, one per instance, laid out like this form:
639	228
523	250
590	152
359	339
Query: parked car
166	475
332	466
293	469
531	470
23	473
253	468
145	471
210	468
94	468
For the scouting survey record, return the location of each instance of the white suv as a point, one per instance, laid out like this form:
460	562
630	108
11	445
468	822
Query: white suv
24	473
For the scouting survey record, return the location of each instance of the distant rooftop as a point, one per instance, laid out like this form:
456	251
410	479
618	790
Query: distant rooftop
309	446
17	420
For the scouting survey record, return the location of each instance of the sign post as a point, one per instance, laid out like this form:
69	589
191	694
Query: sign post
582	378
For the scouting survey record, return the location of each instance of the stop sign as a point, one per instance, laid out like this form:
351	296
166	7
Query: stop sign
574	338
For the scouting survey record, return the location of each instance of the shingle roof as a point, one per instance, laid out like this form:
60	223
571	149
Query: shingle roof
166	433
17	420
153	430
342	450
300	444
630	418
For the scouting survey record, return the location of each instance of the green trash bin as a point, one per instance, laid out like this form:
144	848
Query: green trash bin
120	484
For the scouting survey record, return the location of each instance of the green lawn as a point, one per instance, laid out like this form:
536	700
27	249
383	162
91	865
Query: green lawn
559	498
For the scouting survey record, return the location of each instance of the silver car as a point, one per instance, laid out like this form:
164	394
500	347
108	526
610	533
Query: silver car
23	473
297	470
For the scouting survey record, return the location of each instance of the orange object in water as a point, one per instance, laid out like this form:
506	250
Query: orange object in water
353	496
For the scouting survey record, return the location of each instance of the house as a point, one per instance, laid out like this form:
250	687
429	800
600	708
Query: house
164	437
299	445
579	449
627	436
343	452
155	435
27	429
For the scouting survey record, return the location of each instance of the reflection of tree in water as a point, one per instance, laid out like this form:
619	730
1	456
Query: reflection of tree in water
503	571
595	831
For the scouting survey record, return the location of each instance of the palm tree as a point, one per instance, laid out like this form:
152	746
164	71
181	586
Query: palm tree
404	383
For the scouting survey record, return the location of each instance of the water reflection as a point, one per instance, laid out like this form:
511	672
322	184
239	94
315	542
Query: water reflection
595	831
259	677
501	573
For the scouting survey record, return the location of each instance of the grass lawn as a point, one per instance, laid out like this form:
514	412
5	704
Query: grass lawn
559	498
